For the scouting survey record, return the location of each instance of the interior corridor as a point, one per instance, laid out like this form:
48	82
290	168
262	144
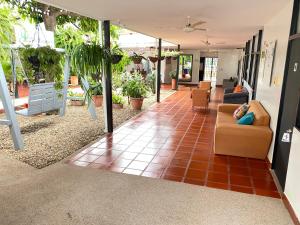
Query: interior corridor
171	141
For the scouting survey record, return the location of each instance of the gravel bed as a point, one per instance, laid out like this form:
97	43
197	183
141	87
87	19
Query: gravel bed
50	138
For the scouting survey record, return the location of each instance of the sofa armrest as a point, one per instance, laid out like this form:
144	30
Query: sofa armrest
228	90
228	108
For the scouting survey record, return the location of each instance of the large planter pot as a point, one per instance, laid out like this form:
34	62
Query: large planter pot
115	59
136	103
74	80
97	99
173	84
153	59
77	102
117	106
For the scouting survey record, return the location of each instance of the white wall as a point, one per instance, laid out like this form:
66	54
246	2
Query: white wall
292	188
276	29
227	64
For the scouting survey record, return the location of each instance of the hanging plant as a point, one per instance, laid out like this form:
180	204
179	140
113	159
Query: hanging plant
116	55
42	64
137	58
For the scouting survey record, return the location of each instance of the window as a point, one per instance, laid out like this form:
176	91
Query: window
186	68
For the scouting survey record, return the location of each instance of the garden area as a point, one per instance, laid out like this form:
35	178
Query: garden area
66	53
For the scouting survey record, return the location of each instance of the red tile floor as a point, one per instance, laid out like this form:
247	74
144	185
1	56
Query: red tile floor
170	141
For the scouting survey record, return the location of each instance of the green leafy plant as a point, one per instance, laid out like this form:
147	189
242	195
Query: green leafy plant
173	74
75	95
7	21
150	81
68	38
117	99
42	64
170	53
87	60
96	88
135	87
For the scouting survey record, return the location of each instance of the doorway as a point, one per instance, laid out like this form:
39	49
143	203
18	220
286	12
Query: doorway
210	69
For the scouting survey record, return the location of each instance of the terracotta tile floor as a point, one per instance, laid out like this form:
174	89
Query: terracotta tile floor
170	141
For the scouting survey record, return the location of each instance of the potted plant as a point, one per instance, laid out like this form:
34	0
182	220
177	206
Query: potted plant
173	75
136	89
76	98
116	55
150	80
42	65
73	78
117	101
96	91
136	58
88	59
153	59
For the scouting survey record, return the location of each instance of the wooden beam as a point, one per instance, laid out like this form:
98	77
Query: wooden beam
158	76
177	68
108	77
11	119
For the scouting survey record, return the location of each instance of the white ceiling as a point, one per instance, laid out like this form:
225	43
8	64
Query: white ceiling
229	21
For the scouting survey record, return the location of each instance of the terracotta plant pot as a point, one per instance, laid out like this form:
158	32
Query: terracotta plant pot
77	102
97	99
153	59
173	84
74	80
136	103
117	106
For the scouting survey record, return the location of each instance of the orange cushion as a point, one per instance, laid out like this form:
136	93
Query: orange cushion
238	89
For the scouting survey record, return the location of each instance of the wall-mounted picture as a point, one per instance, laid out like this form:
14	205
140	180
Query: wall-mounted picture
267	60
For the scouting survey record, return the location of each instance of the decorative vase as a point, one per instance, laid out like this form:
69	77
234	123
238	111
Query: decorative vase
136	103
97	99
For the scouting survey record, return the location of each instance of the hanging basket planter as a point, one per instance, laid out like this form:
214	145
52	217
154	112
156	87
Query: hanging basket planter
153	59
115	59
137	59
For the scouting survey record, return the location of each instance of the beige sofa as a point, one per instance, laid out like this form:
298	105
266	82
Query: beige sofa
251	141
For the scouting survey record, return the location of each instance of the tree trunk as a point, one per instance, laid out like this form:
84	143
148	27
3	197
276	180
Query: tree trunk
50	22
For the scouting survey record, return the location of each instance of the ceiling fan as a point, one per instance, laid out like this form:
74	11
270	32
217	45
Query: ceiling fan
208	43
189	27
